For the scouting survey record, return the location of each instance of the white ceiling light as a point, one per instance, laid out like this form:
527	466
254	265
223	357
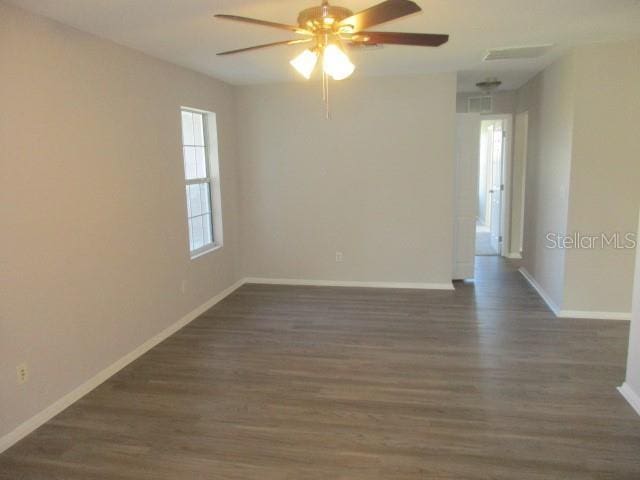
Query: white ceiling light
305	63
335	63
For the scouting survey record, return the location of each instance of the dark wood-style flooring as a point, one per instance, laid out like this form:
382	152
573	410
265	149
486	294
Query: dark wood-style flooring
280	382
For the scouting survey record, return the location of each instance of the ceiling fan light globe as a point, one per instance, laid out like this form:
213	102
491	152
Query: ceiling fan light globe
335	63
305	63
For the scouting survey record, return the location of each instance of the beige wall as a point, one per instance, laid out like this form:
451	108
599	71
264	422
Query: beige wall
375	182
605	174
548	98
94	239
583	174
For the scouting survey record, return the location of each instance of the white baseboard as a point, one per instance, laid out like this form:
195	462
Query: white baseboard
630	396
514	256
583	314
586	314
538	288
58	406
342	283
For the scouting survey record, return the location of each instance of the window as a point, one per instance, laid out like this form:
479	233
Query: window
199	150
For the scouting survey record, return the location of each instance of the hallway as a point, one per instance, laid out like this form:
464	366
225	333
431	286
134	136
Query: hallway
483	241
327	383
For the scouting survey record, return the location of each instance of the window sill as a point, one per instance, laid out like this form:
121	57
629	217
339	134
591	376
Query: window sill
208	249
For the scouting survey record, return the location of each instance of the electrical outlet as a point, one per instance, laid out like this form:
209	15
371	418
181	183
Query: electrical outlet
339	257
22	372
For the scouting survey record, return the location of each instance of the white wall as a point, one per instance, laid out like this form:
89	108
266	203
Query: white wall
375	182
605	174
631	386
549	99
92	205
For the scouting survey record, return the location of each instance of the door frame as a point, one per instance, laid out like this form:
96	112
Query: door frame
505	208
465	194
517	253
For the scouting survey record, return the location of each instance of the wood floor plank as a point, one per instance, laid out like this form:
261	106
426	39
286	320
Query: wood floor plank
282	382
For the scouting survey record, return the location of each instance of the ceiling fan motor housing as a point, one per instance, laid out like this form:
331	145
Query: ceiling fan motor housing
313	18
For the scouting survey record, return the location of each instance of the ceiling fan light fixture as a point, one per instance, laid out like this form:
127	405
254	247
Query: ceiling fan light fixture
331	27
305	63
336	63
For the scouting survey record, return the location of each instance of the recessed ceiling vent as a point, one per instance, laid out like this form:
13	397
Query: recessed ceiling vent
480	104
516	53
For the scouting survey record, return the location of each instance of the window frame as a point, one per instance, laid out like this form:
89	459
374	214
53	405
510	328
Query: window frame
211	178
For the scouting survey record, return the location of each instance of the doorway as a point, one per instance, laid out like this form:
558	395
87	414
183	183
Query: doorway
481	141
491	186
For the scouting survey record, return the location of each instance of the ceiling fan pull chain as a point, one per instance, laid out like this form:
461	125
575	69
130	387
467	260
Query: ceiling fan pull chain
325	94
324	87
326	106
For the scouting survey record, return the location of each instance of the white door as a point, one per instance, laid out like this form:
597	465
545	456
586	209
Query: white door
466	194
496	134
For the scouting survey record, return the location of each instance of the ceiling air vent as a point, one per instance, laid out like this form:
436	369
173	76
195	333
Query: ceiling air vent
516	53
479	104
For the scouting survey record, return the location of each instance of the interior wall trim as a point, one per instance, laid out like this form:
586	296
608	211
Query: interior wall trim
343	283
588	314
76	394
538	288
583	314
630	396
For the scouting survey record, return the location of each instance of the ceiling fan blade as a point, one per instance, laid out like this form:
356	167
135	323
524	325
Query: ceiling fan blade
265	23
380	13
266	45
400	38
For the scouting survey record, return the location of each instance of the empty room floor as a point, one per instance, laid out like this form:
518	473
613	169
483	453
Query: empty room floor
324	383
483	241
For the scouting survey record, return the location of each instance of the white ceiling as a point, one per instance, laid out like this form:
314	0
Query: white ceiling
184	32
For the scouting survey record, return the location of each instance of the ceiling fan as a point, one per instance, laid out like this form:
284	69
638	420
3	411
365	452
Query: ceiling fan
329	28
